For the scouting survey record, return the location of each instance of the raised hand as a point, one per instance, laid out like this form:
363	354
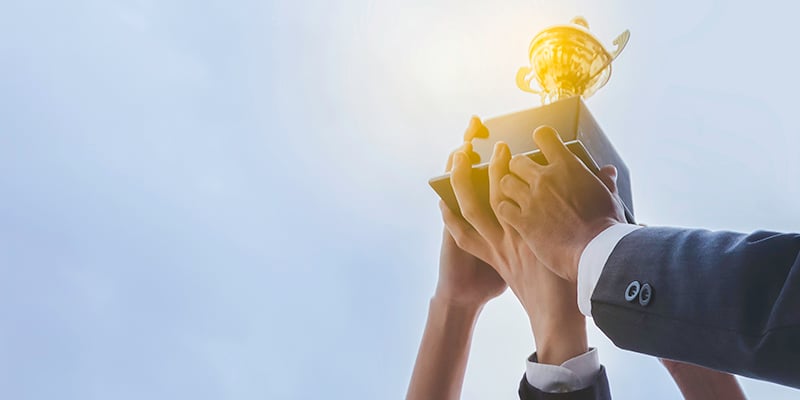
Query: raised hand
550	302
557	208
464	278
465	284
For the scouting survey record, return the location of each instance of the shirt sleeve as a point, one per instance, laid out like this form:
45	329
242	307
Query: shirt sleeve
574	374
593	260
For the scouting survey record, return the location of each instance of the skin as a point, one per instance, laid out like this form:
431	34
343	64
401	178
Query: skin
469	277
479	254
559	207
558	326
466	284
698	383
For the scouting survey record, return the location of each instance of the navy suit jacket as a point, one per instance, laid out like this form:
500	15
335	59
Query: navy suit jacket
723	300
597	391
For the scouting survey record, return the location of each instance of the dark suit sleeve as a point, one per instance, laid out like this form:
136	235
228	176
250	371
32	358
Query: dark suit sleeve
597	391
722	300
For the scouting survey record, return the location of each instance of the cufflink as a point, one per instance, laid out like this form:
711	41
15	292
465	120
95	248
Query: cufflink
645	295
632	291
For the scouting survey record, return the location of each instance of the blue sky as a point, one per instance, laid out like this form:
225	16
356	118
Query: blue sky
228	199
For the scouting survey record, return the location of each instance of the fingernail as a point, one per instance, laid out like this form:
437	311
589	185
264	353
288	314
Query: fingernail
498	147
472	129
546	130
504	150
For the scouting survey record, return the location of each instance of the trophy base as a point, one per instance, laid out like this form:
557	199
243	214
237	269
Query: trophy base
577	128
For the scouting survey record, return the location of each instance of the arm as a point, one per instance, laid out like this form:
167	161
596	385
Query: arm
442	358
465	285
722	300
558	326
698	383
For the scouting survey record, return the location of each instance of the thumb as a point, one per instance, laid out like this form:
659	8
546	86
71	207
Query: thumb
608	174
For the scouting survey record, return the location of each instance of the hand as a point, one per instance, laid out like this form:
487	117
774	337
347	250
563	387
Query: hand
560	207
464	279
559	328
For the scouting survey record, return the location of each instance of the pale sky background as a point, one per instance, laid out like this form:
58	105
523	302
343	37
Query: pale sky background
229	200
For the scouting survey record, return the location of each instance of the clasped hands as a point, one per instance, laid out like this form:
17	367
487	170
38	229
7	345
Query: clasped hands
530	236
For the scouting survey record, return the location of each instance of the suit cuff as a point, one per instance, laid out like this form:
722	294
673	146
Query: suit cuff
574	374
593	260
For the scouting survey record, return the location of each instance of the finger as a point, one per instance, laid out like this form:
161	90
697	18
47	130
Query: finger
474	158
525	168
449	165
509	212
468	201
475	129
498	168
551	145
515	189
608	174
464	147
461	231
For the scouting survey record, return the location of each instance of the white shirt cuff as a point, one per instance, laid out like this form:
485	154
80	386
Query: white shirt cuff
574	374
593	260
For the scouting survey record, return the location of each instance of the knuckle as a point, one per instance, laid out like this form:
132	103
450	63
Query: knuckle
463	240
461	243
505	182
548	177
458	237
500	212
505	209
469	213
516	163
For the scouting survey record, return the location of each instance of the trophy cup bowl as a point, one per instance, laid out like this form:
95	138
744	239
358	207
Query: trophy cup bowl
569	64
567	60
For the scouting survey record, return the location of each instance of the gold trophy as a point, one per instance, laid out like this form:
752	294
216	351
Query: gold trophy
569	64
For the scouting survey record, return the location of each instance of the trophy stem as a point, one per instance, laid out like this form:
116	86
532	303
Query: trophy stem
554	96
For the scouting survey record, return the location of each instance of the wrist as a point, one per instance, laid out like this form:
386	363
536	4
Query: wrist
560	339
456	306
576	251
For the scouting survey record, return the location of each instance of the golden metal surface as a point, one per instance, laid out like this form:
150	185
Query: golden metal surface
567	60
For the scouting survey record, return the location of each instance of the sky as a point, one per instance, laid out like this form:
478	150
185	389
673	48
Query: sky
229	200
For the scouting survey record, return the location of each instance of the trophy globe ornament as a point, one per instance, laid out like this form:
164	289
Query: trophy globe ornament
568	60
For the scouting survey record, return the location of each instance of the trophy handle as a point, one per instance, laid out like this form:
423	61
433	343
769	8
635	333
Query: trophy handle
524	81
620	42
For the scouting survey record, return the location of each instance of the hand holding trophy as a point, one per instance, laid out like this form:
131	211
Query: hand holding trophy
569	64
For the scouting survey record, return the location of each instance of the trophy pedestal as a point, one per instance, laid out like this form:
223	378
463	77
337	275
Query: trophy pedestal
577	128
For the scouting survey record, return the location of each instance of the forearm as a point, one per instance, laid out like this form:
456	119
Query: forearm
727	298
559	328
442	358
698	383
563	362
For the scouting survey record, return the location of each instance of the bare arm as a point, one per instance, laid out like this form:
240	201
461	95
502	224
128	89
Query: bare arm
466	284
442	358
698	383
477	254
